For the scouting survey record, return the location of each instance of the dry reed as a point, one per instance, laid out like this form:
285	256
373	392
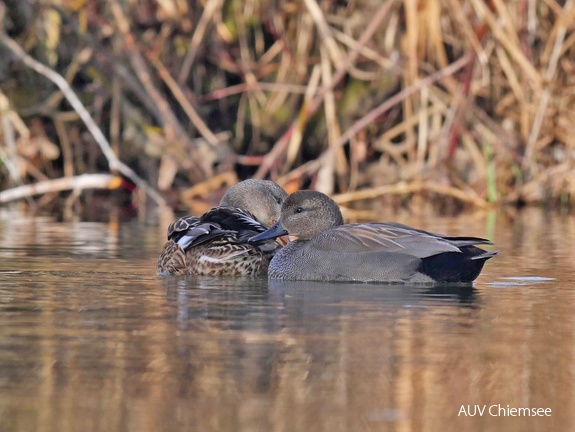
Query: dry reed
468	100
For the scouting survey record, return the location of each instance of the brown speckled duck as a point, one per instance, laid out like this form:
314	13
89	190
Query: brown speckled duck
328	250
216	244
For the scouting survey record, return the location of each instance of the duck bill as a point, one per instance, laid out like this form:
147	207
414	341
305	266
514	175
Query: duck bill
283	240
275	231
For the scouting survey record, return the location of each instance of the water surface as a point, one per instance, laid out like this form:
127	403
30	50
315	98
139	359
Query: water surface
92	340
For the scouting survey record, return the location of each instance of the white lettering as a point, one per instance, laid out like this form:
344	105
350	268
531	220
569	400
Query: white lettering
497	410
471	410
525	412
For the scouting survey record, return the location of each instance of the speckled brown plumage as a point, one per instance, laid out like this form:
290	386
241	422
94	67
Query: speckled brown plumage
215	244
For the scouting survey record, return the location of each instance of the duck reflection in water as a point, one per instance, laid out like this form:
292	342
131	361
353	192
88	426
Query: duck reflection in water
266	306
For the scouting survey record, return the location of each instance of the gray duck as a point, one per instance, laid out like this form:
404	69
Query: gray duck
326	249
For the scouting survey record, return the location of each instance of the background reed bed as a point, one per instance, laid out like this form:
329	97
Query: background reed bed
470	101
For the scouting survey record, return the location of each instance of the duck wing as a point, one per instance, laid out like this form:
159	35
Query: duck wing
225	224
180	226
235	219
391	238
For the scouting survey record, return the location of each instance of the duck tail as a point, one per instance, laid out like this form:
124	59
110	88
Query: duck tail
484	256
468	241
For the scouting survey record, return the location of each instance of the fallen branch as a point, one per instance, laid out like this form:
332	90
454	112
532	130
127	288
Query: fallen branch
81	182
113	161
404	188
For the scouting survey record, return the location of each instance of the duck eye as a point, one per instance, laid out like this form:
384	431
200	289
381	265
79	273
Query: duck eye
279	200
299	210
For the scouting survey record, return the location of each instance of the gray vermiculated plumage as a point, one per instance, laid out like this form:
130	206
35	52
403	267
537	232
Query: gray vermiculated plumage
369	252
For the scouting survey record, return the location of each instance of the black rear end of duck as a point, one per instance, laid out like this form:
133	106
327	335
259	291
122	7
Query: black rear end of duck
456	267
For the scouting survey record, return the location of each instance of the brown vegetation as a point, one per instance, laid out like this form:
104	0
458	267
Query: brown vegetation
470	100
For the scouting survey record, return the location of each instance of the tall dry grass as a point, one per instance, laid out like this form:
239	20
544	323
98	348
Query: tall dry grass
468	100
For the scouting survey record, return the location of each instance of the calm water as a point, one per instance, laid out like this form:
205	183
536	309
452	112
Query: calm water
92	340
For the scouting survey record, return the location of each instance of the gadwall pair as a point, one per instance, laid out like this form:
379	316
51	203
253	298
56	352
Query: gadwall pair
328	250
215	244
